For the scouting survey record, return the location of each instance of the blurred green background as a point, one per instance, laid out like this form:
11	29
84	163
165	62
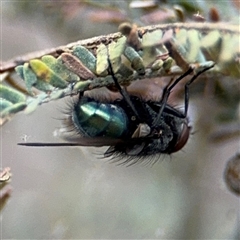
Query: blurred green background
70	193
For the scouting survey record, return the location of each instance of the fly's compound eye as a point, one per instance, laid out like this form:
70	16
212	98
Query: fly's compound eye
183	138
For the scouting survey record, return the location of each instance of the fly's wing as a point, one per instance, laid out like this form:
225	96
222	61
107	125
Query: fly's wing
80	141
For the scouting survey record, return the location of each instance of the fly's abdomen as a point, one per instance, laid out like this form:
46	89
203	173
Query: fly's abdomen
95	119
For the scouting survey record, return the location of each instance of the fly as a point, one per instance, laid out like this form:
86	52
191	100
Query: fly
133	128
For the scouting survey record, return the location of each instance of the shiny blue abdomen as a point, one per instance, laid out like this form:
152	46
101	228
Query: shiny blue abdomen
96	119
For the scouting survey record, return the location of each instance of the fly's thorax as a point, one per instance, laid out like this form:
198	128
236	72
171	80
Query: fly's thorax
94	119
168	135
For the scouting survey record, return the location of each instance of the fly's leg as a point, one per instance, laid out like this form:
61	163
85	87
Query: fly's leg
123	92
186	93
166	93
167	90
